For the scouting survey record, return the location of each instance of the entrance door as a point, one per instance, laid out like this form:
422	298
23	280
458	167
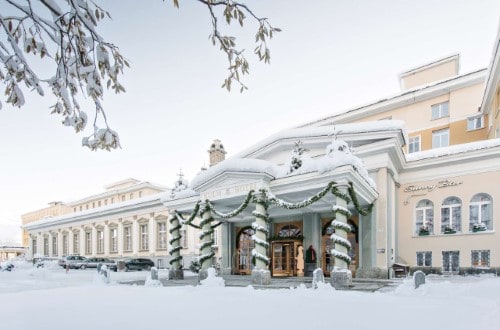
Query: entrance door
283	258
243	256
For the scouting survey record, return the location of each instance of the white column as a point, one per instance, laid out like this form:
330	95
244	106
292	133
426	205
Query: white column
59	243
342	218
381	220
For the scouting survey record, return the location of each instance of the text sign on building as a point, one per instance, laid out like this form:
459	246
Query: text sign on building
421	190
224	192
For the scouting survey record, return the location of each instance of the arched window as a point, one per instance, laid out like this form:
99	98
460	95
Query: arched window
424	217
451	215
480	213
289	231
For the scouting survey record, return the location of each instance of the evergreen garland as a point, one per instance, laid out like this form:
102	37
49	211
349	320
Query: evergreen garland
234	212
261	200
354	199
176	237
291	206
193	215
206	233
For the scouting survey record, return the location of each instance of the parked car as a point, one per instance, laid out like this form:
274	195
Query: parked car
70	260
6	266
94	262
138	264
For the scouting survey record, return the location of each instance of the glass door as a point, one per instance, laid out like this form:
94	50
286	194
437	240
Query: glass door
283	258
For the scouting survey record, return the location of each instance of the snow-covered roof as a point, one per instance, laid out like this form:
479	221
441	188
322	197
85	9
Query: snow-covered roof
247	165
452	150
329	130
133	203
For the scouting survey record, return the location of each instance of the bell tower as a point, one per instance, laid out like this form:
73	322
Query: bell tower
216	152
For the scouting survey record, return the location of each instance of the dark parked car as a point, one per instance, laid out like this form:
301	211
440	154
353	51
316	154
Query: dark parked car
94	262
7	266
138	264
70	260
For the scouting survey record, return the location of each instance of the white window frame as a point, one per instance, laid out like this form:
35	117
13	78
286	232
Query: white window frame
426	213
144	232
76	243
454	212
127	238
46	246
426	258
475	122
412	141
440	110
113	239
482	216
441	138
65	251
482	256
54	246
100	241
162	235
88	242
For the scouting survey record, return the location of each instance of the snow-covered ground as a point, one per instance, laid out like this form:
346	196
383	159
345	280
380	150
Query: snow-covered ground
49	298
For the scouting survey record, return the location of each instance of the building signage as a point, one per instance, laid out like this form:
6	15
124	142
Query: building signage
421	190
431	187
224	192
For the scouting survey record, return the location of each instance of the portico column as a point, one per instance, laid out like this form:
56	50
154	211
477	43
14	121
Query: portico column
59	243
261	274
175	271
341	276
206	241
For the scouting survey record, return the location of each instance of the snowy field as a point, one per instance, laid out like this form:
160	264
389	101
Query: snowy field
48	298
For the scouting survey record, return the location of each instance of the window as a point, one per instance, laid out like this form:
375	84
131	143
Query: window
480	213
105	202
74	209
65	245
215	237
144	237
123	198
113	243
99	203
441	138
480	258
76	243
88	242
162	235
183	241
54	246
451	262
100	241
290	231
80	207
140	193
131	196
87	206
46	246
160	262
424	259
475	122
127	238
93	205
112	200
451	218
35	250
440	110
424	217
414	144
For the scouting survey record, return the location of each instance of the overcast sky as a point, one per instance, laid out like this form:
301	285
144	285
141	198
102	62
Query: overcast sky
331	56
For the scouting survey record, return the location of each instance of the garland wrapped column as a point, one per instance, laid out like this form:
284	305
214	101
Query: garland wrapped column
206	240
175	247
261	274
341	277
